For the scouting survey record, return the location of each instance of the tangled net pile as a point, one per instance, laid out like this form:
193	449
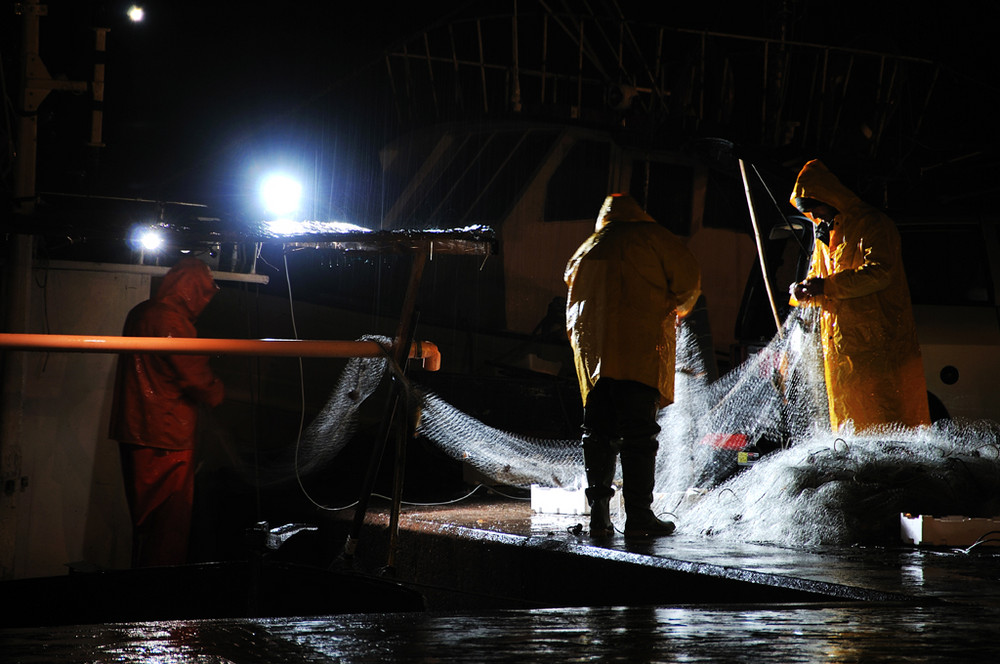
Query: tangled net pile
809	487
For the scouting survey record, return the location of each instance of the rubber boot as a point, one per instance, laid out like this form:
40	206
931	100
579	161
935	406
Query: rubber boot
599	460
638	479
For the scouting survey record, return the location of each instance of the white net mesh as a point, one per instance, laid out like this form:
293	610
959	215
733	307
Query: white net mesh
815	487
808	487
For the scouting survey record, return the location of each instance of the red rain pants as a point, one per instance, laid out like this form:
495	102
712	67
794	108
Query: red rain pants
159	485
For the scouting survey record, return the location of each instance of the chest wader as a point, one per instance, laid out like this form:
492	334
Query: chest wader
638	457
620	419
599	459
638	478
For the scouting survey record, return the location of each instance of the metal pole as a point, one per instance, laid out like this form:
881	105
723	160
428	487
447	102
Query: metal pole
401	409
760	248
16	283
404	332
97	90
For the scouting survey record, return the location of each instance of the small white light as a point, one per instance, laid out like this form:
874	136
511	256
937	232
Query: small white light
136	13
151	240
281	194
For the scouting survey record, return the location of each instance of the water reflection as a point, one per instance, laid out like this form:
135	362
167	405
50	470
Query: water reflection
798	633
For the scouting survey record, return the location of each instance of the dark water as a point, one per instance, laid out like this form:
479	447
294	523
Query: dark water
792	633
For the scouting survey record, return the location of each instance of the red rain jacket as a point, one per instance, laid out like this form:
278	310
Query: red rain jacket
157	396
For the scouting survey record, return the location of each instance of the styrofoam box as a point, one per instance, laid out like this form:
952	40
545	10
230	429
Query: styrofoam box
554	500
960	531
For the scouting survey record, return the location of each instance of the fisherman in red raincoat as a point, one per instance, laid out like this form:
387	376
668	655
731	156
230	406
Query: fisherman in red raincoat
155	414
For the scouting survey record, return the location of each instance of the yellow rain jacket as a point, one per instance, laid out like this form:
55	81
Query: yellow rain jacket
874	372
628	283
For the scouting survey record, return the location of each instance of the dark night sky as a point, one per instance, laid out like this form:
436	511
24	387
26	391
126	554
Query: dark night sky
200	85
203	93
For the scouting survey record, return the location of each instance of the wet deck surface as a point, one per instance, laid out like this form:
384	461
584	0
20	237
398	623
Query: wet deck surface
867	605
916	573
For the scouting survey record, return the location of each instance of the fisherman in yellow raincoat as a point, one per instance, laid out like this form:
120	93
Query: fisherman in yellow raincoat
628	283
874	372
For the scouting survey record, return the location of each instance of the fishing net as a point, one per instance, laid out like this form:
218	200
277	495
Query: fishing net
747	457
808	486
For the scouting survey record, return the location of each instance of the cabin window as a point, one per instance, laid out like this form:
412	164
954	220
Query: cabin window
505	172
664	190
726	204
579	186
478	180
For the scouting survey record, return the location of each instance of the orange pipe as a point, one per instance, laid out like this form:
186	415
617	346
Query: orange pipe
425	351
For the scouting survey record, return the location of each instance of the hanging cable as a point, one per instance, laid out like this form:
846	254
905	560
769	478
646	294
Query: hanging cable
434	504
393	367
254	362
983	539
777	207
302	393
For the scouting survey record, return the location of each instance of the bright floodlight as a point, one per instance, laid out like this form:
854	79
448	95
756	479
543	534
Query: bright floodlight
281	194
151	240
136	13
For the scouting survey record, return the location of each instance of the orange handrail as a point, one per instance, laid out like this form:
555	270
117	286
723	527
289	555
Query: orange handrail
427	352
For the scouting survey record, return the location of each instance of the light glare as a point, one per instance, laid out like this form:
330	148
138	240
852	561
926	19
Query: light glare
151	240
281	194
289	227
283	227
136	13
